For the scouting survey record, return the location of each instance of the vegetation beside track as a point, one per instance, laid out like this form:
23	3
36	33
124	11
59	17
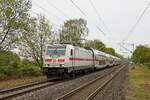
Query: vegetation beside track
12	67
139	78
5	84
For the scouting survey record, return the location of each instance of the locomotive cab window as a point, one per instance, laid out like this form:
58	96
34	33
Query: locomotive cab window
55	50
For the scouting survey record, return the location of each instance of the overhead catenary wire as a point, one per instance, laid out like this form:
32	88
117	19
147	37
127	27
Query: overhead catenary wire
142	14
101	20
125	48
99	16
66	16
138	20
59	10
86	16
78	7
39	15
49	12
101	30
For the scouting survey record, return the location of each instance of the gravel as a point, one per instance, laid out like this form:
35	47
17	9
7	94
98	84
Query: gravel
116	89
53	92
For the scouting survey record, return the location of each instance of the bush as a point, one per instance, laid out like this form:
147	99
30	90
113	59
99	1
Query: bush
15	64
8	57
28	68
8	70
12	66
147	65
3	76
25	62
30	71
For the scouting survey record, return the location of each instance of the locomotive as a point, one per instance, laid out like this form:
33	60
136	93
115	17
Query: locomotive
68	60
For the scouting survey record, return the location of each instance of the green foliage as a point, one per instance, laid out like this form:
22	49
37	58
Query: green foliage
96	44
26	62
110	51
2	76
147	65
74	31
8	12
12	66
141	54
33	41
8	58
14	20
139	89
8	71
30	71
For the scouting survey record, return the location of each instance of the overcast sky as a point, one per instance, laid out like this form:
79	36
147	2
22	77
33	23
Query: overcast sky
117	15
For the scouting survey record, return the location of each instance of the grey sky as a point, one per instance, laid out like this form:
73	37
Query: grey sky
118	15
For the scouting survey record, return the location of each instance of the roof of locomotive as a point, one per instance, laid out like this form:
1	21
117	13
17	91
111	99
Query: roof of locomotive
59	45
69	45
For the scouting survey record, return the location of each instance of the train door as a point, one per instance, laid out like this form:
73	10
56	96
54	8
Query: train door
72	57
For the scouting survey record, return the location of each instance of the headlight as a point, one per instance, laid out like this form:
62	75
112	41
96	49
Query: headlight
46	65
62	65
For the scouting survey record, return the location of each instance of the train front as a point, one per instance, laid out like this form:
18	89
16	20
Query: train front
54	60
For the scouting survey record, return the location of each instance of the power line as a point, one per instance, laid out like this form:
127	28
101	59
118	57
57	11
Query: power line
48	12
121	45
39	14
139	19
86	16
101	30
98	15
59	10
77	7
142	14
101	20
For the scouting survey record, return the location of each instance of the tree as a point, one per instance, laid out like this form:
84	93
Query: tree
13	20
74	31
33	41
141	54
110	51
96	44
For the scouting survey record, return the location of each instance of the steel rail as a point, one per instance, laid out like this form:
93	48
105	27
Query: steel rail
14	92
112	76
69	94
22	86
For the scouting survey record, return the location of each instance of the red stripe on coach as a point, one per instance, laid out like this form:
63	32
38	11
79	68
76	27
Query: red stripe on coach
61	60
48	60
81	59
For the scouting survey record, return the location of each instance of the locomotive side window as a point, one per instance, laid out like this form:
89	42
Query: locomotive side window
55	51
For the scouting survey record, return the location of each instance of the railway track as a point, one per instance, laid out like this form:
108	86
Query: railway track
13	92
89	90
73	95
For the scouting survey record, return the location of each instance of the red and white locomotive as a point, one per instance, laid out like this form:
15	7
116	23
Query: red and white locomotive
65	59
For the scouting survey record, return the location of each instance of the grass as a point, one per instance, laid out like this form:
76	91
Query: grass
139	88
5	84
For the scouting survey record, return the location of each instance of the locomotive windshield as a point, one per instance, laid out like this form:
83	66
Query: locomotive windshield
55	51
